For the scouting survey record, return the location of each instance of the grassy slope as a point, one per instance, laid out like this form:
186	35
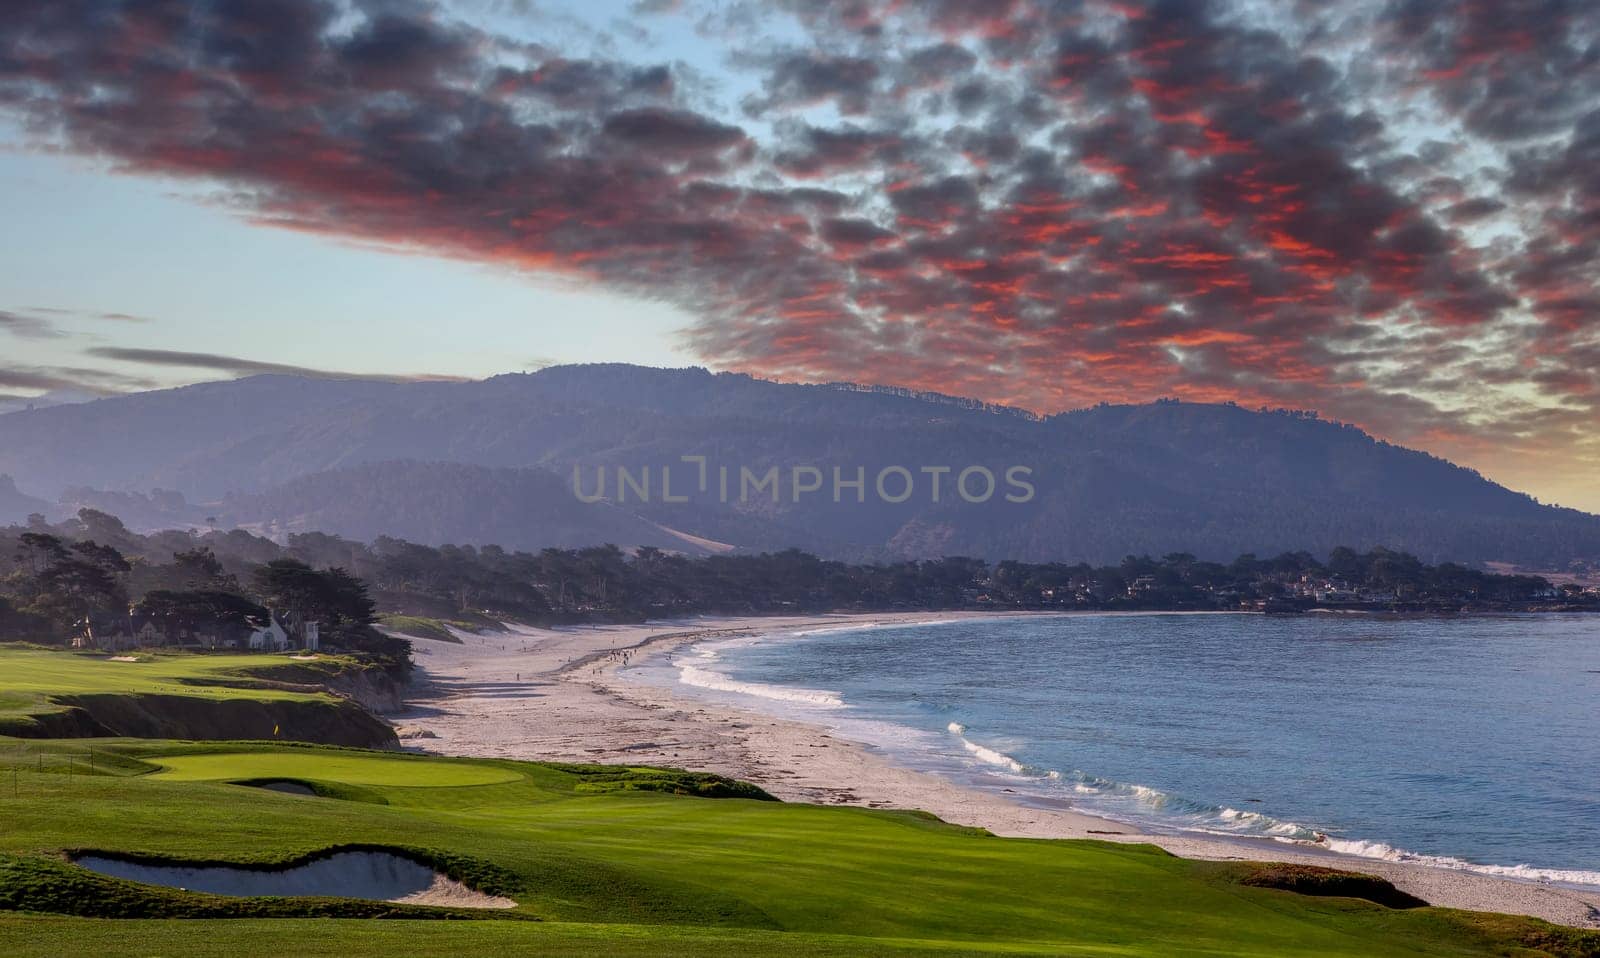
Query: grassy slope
636	872
422	627
40	687
33	675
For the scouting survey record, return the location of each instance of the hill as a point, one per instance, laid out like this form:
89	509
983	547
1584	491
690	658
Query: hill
434	503
15	506
364	458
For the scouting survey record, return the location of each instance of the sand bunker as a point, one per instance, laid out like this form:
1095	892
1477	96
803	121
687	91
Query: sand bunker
375	876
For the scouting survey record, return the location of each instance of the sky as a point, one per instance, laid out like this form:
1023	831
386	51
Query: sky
1387	211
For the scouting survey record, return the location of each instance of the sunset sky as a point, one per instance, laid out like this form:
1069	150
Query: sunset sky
1388	212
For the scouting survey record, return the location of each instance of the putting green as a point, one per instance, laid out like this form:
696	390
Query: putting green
350	769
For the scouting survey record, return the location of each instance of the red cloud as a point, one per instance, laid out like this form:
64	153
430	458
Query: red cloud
1025	206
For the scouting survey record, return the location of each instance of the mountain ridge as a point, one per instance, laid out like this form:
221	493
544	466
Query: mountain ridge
1212	479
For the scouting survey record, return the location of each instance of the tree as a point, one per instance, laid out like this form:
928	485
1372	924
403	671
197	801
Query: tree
1345	563
39	550
344	600
334	597
14	623
75	581
201	607
200	569
290	586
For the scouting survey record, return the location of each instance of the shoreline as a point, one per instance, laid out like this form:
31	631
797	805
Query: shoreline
556	694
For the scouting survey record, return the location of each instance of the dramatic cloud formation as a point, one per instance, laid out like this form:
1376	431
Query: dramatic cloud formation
1386	210
235	366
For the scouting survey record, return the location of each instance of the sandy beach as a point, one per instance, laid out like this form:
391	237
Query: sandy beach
555	694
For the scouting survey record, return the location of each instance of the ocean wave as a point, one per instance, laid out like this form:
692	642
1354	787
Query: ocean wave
1142	805
987	755
1388	853
708	679
1134	802
876	624
993	757
697	671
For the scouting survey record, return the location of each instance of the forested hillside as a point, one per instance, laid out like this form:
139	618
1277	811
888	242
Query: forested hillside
493	462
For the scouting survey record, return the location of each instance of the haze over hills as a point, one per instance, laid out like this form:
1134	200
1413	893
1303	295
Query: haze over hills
14	504
369	458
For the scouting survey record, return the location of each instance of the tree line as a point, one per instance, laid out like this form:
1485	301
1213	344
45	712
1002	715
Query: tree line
55	580
52	577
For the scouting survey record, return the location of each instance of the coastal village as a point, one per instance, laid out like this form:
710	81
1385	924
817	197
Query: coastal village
1379	581
1312	591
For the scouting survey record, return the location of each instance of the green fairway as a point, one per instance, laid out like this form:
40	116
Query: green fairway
334	767
31	677
54	694
37	683
612	864
60	938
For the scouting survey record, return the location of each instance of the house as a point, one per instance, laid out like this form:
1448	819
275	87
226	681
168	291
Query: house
303	633
270	637
135	630
288	632
118	633
1332	595
148	633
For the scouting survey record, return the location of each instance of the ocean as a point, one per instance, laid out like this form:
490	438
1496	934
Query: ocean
1469	742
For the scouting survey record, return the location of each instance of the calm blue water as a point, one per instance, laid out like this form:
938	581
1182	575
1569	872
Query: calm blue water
1473	739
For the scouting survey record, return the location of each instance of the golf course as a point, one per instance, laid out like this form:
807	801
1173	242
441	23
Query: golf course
52	694
628	861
